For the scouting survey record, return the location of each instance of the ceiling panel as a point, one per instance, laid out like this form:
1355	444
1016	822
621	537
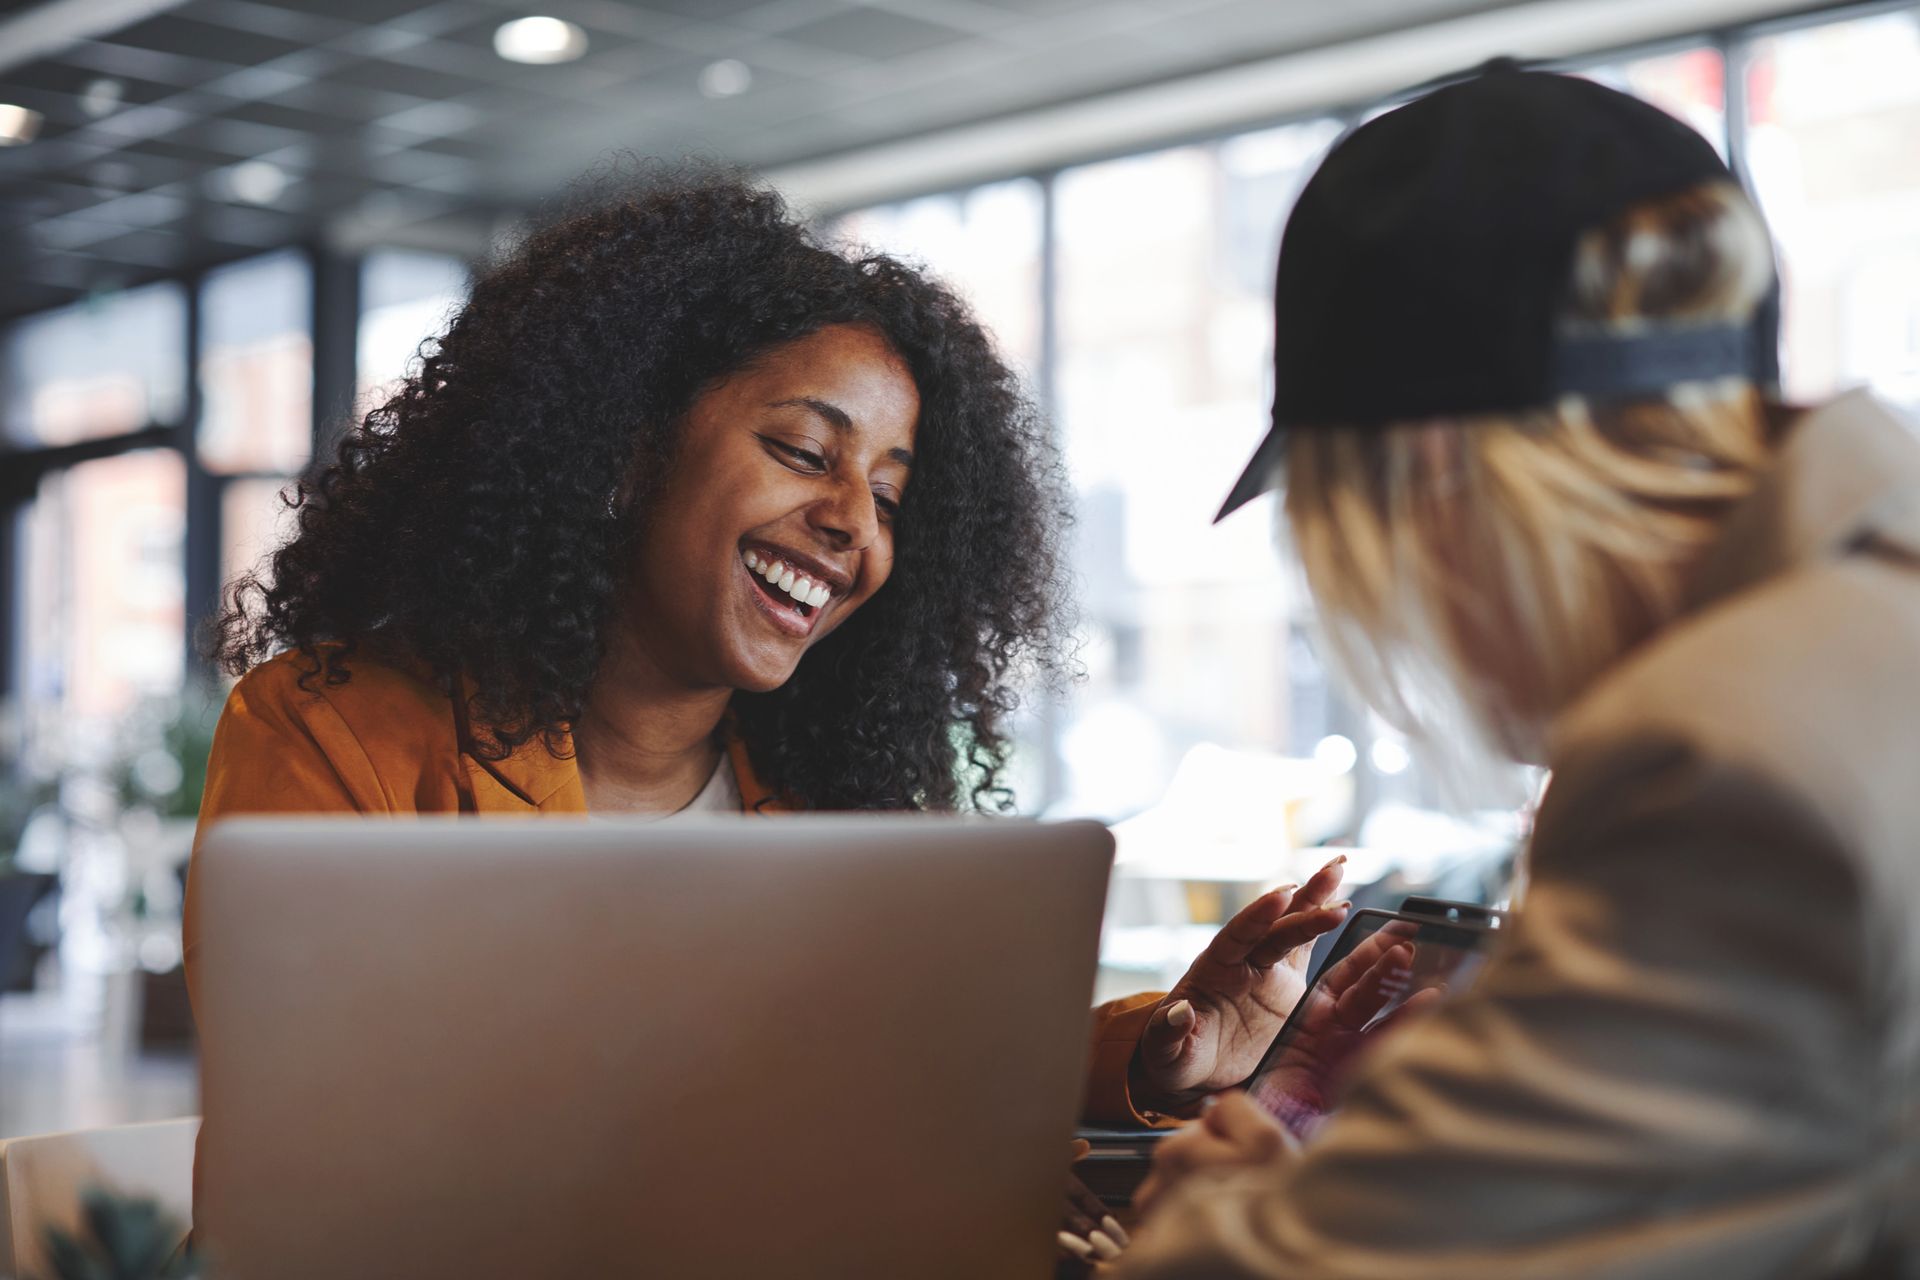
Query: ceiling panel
186	37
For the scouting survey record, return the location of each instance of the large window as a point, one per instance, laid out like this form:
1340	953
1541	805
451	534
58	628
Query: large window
1166	264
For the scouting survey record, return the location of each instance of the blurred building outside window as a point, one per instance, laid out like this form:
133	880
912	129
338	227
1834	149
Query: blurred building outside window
1834	148
104	593
99	368
1690	84
985	242
256	365
406	296
254	521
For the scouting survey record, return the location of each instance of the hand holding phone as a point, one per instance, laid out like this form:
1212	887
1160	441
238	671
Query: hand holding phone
1386	968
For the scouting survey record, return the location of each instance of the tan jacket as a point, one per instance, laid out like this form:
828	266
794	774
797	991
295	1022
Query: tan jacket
1696	1056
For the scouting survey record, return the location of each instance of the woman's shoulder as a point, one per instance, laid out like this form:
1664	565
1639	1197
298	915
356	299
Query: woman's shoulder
1783	719
378	689
387	721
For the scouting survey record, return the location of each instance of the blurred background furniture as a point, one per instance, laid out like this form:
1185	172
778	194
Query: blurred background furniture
43	1179
20	892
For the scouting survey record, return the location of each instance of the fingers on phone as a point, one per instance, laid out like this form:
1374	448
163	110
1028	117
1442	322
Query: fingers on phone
1089	1207
1385	981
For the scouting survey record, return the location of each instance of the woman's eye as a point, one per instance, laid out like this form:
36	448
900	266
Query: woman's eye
805	457
887	507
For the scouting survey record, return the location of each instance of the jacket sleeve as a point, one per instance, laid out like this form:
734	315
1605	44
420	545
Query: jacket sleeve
278	749
1117	1027
1670	1069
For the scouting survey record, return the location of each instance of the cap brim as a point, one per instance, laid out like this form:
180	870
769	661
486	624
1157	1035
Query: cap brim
1262	473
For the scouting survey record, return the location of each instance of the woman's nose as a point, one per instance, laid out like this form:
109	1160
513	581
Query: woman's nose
847	515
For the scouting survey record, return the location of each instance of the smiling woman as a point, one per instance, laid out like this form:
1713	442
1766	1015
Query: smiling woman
678	478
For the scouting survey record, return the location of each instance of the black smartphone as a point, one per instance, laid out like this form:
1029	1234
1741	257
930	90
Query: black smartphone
1381	969
1463	912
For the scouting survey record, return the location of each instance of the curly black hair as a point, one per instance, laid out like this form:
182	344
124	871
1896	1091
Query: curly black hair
474	523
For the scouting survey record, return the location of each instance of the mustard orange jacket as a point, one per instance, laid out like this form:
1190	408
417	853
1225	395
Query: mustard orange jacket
389	742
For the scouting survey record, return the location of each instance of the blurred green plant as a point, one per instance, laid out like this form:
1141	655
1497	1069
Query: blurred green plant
121	1238
162	762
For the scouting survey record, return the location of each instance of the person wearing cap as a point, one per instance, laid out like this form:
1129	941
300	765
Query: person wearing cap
1523	369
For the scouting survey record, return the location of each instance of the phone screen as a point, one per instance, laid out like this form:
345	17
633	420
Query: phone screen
1386	968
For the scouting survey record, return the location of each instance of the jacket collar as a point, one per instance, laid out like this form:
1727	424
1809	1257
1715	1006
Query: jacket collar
1846	478
533	778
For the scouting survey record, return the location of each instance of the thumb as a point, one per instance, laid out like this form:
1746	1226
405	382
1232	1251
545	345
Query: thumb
1165	1038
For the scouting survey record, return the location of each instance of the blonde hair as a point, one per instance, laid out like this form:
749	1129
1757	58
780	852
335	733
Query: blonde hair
1479	572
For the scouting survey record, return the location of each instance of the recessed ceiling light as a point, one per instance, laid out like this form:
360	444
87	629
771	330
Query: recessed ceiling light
18	125
539	41
102	97
255	182
727	78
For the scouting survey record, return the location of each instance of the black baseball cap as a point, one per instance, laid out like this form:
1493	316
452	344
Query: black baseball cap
1425	263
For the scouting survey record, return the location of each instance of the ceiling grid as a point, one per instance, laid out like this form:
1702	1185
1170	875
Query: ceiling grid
396	119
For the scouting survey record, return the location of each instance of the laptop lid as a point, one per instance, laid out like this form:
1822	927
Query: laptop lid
826	1046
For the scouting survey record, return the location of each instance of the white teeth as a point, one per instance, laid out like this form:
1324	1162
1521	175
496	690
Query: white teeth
802	588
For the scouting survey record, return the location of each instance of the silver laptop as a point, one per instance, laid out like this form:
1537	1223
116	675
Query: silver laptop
807	1046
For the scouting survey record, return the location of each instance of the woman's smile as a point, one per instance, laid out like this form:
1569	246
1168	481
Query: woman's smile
793	591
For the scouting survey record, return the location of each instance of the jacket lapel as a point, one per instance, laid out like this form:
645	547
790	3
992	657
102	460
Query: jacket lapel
530	780
755	797
534	780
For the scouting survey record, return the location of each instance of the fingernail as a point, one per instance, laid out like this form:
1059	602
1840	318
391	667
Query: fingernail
1112	1227
1106	1248
1209	1102
1180	1016
1075	1245
1337	861
1342	906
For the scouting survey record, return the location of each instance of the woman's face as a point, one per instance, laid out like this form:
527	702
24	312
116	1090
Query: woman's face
776	522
